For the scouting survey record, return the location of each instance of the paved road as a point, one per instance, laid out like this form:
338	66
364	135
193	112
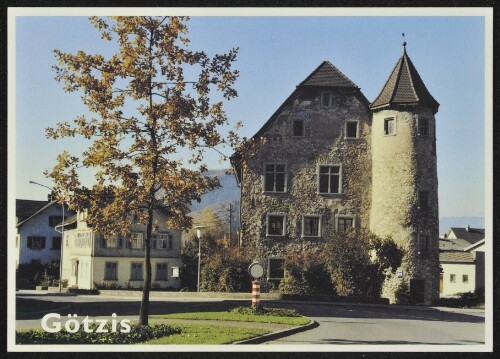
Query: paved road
388	326
338	323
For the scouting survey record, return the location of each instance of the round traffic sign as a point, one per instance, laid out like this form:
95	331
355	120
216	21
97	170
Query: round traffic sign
256	270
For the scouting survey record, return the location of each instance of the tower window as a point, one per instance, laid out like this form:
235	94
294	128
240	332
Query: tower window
329	179
274	178
298	128
389	128
424	244
351	129
423	127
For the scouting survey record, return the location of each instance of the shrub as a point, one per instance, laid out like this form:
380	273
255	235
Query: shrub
137	334
305	273
259	310
33	274
402	294
107	285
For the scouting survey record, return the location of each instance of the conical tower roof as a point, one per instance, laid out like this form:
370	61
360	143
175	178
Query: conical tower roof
327	75
404	88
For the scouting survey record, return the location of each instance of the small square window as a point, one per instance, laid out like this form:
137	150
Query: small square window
276	268
453	278
465	278
298	128
310	226
389	128
423	127
352	129
275	225
344	223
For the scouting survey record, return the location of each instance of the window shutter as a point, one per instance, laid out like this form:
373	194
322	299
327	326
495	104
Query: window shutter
30	242
42	245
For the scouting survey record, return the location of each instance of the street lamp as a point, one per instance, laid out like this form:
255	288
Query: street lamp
62	235
199	233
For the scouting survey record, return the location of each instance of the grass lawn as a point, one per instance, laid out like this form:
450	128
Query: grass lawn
208	334
236	317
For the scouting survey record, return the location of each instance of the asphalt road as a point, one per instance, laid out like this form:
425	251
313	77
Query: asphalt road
338	323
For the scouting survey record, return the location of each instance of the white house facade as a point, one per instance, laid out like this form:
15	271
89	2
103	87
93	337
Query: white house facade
93	260
36	237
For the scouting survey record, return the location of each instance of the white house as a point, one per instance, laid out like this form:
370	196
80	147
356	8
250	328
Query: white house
461	257
91	259
36	237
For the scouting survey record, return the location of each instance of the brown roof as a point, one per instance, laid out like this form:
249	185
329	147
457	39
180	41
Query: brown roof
456	257
327	75
404	87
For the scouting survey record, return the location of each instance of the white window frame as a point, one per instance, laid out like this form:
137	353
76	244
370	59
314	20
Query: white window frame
344	216
285	187
105	270
267	224
135	237
269	268
329	93
132	271
165	277
394	126
318	175
303	127
164	241
303	235
357	129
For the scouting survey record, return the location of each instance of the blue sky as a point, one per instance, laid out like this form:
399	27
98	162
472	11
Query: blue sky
276	54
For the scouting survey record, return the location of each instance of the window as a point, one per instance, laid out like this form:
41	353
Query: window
311	226
111	271
325	99
104	242
423	199
36	242
423	245
465	278
298	128
275	225
276	268
423	127
55	220
135	240
452	278
275	178
136	271
389	128
163	241
345	223
329	179
56	243
351	129
161	271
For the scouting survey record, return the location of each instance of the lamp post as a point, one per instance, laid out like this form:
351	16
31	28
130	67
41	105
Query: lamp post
62	235
199	233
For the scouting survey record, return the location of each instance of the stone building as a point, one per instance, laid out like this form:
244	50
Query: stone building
328	160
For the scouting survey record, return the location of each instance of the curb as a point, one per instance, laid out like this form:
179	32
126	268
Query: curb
279	334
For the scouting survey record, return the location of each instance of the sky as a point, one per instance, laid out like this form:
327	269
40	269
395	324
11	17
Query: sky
276	54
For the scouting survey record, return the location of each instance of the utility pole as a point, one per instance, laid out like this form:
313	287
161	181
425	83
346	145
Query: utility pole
230	222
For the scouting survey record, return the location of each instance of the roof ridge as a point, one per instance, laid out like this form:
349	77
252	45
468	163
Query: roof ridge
407	60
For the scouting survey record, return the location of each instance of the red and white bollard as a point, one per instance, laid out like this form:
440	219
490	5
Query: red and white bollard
255	293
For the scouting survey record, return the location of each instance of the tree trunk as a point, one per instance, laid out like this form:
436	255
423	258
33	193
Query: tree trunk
144	313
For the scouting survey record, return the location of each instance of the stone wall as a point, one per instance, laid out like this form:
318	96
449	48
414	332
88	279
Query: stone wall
324	143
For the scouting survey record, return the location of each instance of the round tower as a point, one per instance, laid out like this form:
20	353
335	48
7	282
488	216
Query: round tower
404	202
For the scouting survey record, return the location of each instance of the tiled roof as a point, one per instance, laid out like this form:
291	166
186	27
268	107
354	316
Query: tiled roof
471	235
453	244
404	87
327	75
26	207
456	257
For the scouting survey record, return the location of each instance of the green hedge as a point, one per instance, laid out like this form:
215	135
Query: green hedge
259	310
137	334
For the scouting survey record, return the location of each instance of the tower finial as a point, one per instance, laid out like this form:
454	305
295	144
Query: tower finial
404	41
